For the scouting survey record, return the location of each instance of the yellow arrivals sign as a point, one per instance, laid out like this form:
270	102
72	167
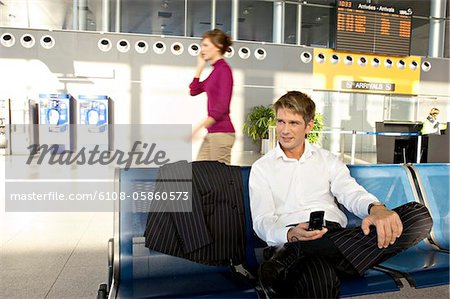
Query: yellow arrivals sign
356	72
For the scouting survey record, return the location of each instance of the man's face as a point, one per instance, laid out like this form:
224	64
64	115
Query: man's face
291	129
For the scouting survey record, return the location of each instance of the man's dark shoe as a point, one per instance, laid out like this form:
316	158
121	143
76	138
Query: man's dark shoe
268	291
274	271
270	251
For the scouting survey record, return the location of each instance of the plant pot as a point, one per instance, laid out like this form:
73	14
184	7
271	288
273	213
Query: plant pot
272	137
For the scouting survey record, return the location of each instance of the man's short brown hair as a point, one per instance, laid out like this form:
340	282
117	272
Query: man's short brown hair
297	102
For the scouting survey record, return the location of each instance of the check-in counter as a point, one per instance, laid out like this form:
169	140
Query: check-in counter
397	149
438	147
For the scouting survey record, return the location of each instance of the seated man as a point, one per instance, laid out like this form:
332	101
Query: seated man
297	178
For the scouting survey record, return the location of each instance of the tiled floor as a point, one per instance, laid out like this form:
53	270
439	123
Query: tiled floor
57	255
64	255
53	255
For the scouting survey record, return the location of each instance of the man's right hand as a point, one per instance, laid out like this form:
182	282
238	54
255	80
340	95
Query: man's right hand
301	233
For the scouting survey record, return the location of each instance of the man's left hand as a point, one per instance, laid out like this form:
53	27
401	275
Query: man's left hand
388	224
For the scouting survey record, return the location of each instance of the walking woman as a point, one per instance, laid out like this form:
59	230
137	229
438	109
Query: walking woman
219	88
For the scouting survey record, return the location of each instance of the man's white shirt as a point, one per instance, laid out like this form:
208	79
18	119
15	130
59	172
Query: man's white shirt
285	191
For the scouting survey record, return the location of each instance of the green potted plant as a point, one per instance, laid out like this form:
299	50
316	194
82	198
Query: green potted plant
261	118
315	136
258	121
257	124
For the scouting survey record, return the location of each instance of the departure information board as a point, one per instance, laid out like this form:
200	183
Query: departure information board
373	28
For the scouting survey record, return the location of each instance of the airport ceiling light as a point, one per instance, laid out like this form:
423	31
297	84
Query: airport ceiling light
177	48
27	40
229	52
362	61
141	47
375	62
104	45
426	66
388	63
348	60
321	58
401	64
7	40
123	46
47	42
244	52
306	57
194	49
159	47
260	54
334	59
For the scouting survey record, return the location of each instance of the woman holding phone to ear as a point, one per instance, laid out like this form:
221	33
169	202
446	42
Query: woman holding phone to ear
219	88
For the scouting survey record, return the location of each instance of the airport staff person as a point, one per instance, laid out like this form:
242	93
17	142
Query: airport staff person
219	88
297	178
431	125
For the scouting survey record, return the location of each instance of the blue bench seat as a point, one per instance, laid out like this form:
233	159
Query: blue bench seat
423	265
199	285
142	273
373	282
434	181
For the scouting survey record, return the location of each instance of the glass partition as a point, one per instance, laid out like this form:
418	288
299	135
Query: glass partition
223	15
400	108
447	36
420	36
290	24
317	26
198	17
350	120
426	103
257	19
153	17
351	129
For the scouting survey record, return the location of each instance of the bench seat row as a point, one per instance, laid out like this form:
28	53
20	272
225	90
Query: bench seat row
136	272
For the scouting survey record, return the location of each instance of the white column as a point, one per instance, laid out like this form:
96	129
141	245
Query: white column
185	18
278	22
118	13
437	28
105	15
213	14
234	19
82	14
75	15
299	24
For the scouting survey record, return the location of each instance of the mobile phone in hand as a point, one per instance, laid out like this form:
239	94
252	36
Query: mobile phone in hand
316	221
